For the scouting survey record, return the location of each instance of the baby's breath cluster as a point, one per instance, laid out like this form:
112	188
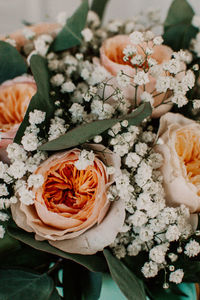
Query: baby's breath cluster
150	226
83	91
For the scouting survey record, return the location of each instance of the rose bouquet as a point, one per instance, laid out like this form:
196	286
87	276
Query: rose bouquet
100	156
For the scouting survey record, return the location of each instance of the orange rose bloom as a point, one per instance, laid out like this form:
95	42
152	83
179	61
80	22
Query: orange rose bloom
71	208
15	96
111	55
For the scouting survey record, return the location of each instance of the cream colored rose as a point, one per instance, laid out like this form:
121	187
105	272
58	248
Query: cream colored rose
111	56
180	147
71	209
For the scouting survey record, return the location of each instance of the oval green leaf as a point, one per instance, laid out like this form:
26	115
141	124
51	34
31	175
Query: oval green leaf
12	63
85	132
95	263
130	285
41	100
70	35
18	285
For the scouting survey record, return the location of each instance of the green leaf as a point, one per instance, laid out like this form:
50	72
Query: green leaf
178	30
70	35
91	284
54	296
12	63
8	245
41	100
94	263
99	7
85	132
21	258
18	285
131	286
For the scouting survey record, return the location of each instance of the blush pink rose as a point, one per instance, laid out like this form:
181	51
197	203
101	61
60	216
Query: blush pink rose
111	56
180	147
15	96
38	29
71	209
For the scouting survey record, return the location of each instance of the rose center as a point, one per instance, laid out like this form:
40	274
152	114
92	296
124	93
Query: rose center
66	187
187	146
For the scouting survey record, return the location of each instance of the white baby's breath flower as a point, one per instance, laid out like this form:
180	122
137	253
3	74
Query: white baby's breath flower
2	231
150	269
35	180
16	152
146	234
132	160
86	158
176	276
98	139
173	233
3	190
196	103
141	78
57	79
28	33
179	99
26	196
17	169
30	141
158	253
122	79
87	34
93	19
158	40
68	87
163	84
192	248
36	116
139	218
136	37
196	21
3	216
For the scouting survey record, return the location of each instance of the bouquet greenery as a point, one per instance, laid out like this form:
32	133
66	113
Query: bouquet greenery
100	156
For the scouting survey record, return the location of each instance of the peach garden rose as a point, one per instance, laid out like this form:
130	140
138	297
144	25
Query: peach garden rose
180	147
111	56
15	96
71	209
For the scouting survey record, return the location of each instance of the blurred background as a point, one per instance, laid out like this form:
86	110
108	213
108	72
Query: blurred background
13	12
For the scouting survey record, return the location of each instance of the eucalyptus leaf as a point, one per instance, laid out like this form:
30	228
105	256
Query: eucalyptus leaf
94	263
99	7
21	258
54	295
18	285
131	286
178	30
8	245
91	285
12	63
85	132
70	35
41	100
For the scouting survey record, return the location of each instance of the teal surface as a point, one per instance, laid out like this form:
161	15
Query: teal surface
110	291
